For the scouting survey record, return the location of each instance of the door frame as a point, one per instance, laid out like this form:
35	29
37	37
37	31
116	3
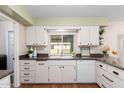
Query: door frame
16	44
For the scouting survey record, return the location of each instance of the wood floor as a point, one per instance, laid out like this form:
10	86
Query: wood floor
59	86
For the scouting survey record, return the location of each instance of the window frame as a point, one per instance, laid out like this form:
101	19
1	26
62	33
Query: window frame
62	34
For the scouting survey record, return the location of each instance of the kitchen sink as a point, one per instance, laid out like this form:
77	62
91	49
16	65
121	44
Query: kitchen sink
64	57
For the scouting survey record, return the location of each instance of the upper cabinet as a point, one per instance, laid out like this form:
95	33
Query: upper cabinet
88	36
36	36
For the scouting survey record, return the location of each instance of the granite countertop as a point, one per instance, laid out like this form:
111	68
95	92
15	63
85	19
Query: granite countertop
106	60
4	73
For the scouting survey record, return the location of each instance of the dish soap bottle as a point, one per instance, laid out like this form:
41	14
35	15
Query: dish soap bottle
35	53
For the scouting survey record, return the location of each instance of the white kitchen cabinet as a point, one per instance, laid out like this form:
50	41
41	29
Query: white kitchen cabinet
111	76
69	74
83	36
94	36
88	36
5	82
36	35
30	36
27	71
41	36
41	72
55	74
62	71
86	71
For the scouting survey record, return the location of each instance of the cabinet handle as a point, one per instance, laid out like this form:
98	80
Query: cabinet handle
63	66
26	63
107	78
116	73
103	86
26	80
26	74
41	64
26	68
101	65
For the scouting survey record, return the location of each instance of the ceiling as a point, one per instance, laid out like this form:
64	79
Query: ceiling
112	12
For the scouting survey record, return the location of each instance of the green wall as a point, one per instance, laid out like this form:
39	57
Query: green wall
71	21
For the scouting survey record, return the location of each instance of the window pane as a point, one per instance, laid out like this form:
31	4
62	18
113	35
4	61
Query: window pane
56	45
67	44
55	38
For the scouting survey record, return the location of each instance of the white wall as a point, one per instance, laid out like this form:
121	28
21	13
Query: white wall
22	40
113	29
4	27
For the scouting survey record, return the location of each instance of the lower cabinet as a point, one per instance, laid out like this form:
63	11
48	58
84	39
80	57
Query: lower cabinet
62	71
5	82
27	71
62	74
105	77
55	74
41	72
69	74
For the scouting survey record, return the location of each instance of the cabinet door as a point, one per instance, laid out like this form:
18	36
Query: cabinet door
68	74
86	71
55	74
30	36
84	36
94	35
41	36
41	72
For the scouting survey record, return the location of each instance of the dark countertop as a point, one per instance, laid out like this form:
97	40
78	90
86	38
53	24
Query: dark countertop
4	73
106	60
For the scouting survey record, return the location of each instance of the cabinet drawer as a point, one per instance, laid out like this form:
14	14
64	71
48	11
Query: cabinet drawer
27	68
27	63
27	73
27	80
102	83
62	62
42	63
101	65
116	72
110	79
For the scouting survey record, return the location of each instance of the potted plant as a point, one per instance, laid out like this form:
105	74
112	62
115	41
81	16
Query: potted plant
30	53
105	50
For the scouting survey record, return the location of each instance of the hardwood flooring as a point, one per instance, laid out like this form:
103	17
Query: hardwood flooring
59	86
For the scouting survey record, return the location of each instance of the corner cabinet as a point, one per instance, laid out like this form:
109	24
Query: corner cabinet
36	36
108	76
88	36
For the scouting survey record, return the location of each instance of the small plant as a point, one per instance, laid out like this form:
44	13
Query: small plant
101	31
73	53
105	50
30	51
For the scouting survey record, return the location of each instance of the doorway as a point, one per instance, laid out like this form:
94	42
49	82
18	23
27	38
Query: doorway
11	52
